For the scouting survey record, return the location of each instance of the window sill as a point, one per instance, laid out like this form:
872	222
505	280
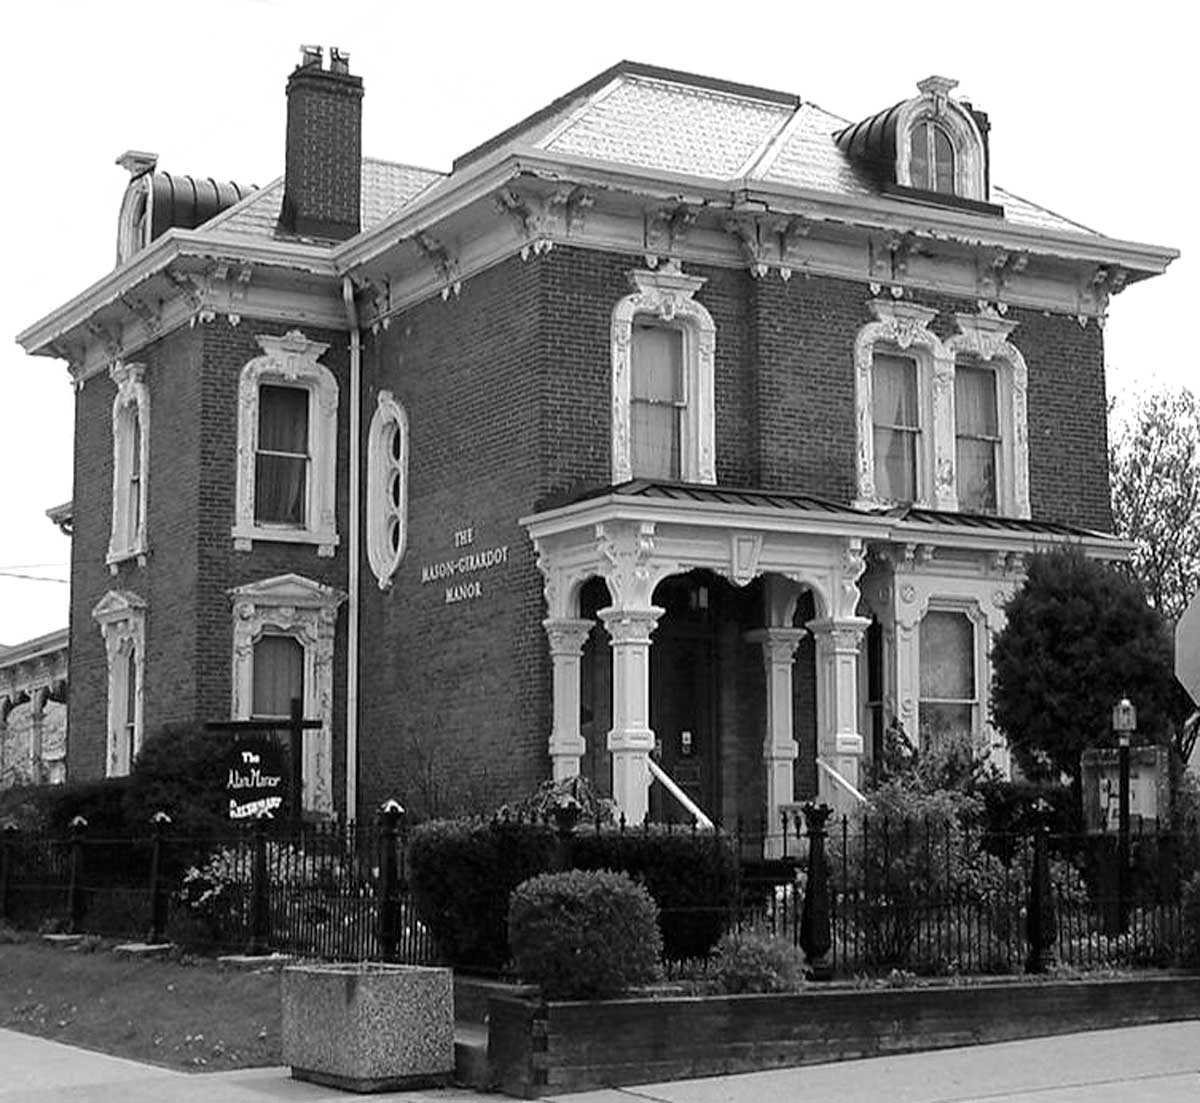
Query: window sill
115	558
245	535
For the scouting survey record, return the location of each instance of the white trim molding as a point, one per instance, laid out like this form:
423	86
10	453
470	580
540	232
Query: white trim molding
387	488
667	295
937	106
130	428
291	605
290	360
985	335
121	617
903	328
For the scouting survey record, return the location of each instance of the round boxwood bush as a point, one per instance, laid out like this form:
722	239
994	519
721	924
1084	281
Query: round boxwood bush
755	961
584	934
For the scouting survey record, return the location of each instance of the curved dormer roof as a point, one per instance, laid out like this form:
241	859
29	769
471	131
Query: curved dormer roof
155	202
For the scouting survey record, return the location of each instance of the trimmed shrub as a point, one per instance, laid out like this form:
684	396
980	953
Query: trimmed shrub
755	961
584	934
1190	950
462	875
691	875
101	803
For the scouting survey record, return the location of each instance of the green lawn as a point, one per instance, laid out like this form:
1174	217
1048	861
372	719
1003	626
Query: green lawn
187	1014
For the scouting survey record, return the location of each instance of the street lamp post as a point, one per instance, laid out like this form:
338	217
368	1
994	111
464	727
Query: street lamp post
1124	722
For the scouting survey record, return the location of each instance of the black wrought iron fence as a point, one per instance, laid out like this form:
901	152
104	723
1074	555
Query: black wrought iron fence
316	890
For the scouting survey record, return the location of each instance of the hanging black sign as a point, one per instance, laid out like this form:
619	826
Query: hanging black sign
255	781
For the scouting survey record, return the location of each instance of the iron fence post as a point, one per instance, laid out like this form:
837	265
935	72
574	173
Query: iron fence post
566	813
8	842
816	936
1041	921
391	816
74	888
158	898
260	917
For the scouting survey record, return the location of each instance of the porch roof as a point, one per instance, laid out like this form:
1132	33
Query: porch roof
902	524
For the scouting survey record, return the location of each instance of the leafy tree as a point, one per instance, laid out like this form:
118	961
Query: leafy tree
1079	636
1154	466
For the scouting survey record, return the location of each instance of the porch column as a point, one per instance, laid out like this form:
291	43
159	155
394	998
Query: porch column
567	637
38	716
838	741
780	749
631	739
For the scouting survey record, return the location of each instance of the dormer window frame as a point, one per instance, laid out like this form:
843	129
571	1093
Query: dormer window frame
935	107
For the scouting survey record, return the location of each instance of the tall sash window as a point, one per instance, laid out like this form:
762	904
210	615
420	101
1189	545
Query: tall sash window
281	463
897	427
657	402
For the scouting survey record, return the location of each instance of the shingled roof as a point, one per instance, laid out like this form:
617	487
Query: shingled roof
657	120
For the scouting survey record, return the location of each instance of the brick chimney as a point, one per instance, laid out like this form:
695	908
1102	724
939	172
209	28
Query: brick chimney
323	167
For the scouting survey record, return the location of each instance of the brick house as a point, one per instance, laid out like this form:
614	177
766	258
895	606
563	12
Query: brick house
684	435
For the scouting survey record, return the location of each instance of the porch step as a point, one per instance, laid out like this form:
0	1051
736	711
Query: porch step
470	1057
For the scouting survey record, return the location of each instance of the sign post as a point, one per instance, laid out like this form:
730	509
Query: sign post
256	784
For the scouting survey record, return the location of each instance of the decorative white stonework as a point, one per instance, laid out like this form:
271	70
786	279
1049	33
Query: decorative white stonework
121	616
307	611
902	327
667	295
780	749
985	335
131	464
387	488
290	361
567	745
936	105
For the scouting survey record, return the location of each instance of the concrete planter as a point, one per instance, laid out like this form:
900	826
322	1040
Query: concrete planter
369	1027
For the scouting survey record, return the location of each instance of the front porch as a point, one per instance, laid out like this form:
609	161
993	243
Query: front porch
752	607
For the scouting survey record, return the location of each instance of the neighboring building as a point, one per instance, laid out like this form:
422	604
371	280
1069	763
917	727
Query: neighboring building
33	711
681	413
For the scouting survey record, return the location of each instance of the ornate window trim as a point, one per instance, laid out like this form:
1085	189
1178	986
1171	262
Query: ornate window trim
902	328
295	606
121	616
290	360
130	415
667	294
935	105
972	609
985	335
384	513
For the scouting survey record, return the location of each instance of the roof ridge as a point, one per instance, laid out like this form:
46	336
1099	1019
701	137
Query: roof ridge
401	165
1047	210
248	200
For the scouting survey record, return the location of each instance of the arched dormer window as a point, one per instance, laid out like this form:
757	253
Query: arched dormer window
131	456
939	147
663	354
387	488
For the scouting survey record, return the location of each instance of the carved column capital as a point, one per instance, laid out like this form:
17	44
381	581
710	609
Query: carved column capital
566	636
778	644
630	626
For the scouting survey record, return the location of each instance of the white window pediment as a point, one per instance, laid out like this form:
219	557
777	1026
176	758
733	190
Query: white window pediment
665	296
290	361
121	617
387	488
903	328
131	462
295	606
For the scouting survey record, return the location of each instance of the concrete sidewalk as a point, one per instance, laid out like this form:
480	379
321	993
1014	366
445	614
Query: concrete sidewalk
1148	1064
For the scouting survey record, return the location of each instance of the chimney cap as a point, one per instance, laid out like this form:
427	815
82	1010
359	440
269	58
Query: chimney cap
339	60
137	162
312	55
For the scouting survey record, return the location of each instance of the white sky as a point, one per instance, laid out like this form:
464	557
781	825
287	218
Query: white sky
1089	106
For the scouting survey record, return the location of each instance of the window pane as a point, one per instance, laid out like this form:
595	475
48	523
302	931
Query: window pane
131	693
657	364
279	489
943	159
894	380
896	465
947	657
976	475
283	419
975	401
919	161
944	725
135	445
654	440
278	675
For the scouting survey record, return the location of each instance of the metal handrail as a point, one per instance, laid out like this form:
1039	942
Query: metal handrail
838	779
689	805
